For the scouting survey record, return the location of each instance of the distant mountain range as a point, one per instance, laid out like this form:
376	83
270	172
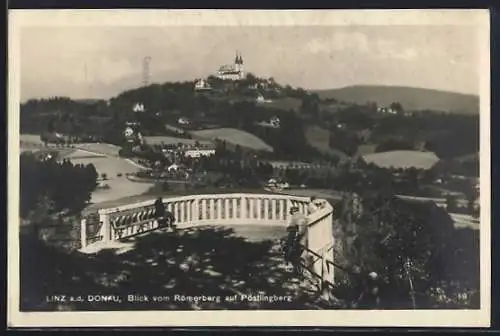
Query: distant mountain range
411	98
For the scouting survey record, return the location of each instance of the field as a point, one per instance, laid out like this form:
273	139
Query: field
284	104
402	159
168	140
100	148
30	143
233	136
80	154
366	149
173	128
410	98
319	138
30	139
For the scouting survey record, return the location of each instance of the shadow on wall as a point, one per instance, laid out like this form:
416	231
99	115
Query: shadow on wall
210	261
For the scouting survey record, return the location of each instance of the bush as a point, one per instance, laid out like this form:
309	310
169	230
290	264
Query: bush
404	231
126	152
67	186
394	144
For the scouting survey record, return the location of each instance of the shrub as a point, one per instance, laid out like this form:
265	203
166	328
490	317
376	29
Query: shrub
68	186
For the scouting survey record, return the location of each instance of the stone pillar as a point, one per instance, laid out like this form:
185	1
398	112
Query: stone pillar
182	205
203	209
243	208
235	208
273	209
188	210
259	208
282	210
105	228
289	204
196	210
251	208
212	208
266	209
226	208
83	232
320	240
176	209
218	201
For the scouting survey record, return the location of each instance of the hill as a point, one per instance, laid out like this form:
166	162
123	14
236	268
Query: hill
410	98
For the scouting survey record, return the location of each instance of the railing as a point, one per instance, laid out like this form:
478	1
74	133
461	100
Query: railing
216	209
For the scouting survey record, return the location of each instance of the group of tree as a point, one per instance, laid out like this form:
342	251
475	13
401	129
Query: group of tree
351	126
447	135
394	144
57	186
421	259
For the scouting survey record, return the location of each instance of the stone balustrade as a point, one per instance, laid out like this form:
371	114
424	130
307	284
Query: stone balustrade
215	209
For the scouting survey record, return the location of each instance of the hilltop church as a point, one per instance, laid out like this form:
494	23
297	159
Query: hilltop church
232	71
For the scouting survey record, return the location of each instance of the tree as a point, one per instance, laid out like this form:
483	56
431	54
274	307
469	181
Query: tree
451	203
396	106
393	144
310	105
390	231
251	79
61	184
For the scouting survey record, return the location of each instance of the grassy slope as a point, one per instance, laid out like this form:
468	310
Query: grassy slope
284	104
319	138
233	136
410	98
168	140
402	159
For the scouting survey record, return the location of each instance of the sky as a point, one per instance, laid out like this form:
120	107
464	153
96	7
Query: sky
101	62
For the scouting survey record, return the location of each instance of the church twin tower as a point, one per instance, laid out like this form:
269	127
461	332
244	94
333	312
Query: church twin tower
238	62
234	71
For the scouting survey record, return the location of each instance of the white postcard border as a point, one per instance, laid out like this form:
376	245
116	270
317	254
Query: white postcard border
343	318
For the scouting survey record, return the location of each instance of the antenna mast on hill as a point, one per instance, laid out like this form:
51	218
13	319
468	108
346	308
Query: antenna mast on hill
145	70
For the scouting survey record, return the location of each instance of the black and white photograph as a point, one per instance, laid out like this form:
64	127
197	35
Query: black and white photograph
249	168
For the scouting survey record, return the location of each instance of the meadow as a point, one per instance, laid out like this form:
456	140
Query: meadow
402	159
168	140
319	138
30	139
286	104
99	148
235	137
